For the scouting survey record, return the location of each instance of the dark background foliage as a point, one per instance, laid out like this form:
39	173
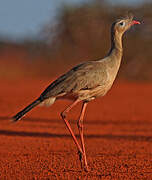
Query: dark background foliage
81	33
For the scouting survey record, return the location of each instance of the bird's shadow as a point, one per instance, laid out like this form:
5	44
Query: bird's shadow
89	136
57	135
96	122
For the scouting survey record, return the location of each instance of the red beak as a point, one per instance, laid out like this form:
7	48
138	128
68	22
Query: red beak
135	22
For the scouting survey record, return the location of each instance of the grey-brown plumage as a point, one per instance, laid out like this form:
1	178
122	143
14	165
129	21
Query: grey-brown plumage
86	81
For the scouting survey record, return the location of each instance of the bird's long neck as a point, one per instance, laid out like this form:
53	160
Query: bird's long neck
116	44
115	54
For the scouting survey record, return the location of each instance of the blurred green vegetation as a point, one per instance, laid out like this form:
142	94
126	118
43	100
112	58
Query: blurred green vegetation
82	33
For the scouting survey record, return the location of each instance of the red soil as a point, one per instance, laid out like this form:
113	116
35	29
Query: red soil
118	135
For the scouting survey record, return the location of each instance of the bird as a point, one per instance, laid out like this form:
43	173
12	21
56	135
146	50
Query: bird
84	83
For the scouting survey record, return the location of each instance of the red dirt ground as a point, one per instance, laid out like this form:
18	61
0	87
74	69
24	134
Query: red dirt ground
118	135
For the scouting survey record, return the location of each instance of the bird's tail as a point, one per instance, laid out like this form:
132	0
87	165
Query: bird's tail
20	114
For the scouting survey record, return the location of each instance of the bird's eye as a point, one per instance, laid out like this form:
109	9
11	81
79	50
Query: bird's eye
122	24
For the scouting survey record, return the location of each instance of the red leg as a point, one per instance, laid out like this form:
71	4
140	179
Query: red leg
63	115
80	127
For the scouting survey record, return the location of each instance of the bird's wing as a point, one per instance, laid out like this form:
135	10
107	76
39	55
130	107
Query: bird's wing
83	76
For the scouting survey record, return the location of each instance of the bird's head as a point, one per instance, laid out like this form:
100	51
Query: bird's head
122	25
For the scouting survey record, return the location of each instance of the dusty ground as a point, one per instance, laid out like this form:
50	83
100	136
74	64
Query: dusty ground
118	135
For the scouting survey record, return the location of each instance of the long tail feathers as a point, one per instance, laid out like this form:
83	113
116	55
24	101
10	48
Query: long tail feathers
20	114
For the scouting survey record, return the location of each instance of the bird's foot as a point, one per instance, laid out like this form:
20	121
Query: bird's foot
86	168
83	163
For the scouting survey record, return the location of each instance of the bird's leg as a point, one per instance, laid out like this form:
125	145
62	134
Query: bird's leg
80	127
63	115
